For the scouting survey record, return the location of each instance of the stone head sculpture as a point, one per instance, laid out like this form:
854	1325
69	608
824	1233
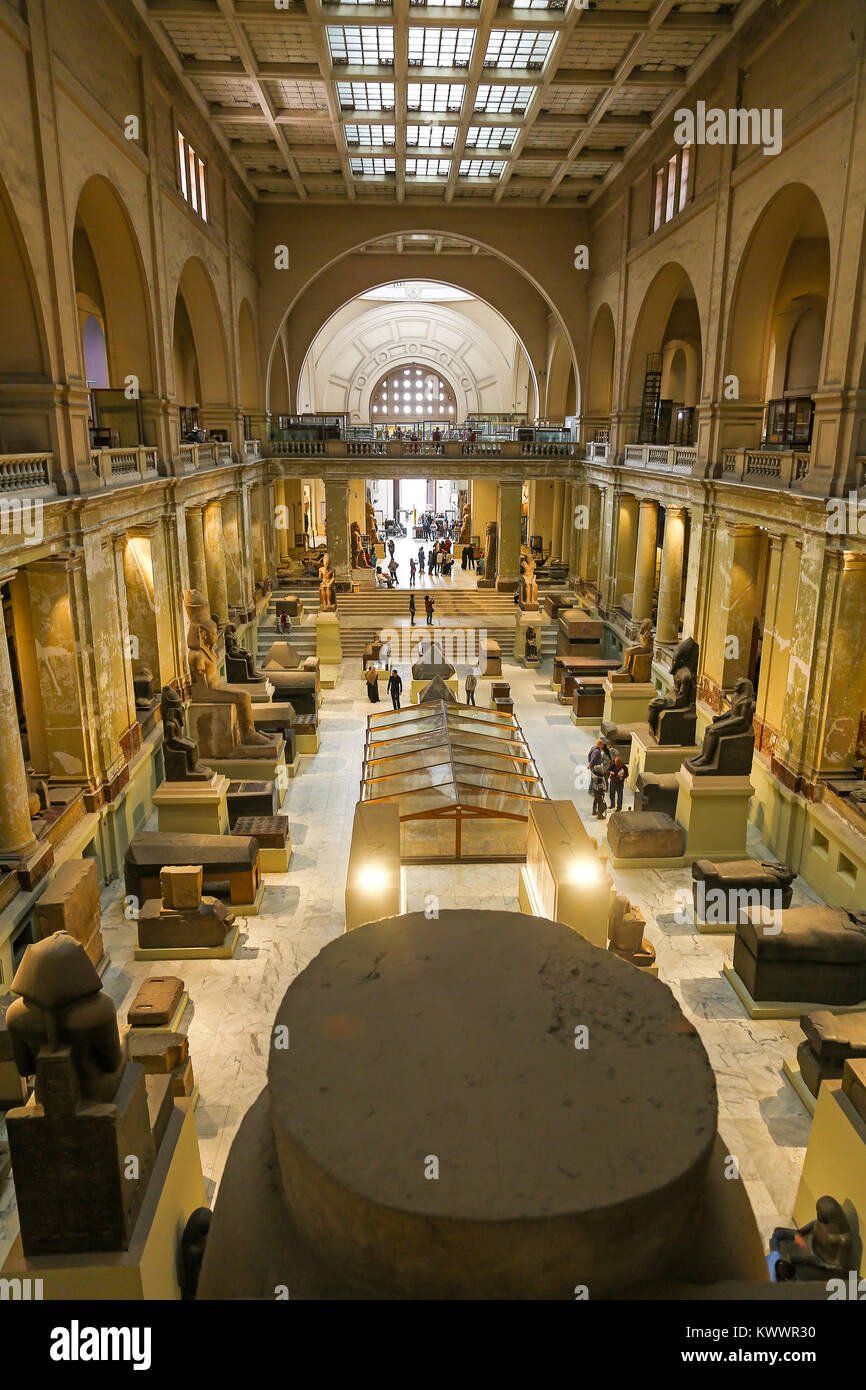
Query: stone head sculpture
62	1005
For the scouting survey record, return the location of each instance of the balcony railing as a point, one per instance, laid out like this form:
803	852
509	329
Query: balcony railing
664	458
766	467
421	448
136	462
19	471
597	453
252	450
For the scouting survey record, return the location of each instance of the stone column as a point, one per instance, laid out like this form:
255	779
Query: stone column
645	560
148	603
259	556
671	578
556	521
283	525
231	527
195	548
337	525
215	563
842	700
567	546
745	553
508	536
626	548
16	833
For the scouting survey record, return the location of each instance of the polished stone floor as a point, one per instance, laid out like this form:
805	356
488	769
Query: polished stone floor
233	1003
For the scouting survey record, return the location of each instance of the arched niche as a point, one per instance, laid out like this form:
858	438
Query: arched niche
668	315
248	350
602	348
561	382
110	283
23	345
200	305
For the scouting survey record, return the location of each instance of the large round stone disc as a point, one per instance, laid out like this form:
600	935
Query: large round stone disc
447	1046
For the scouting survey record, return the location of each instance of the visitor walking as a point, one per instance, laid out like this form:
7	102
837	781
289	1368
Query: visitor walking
411	610
471	683
428	608
617	773
395	686
371	676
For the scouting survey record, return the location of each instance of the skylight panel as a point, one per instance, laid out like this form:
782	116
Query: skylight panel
491	137
366	96
375	166
370	45
440	48
502	100
370	134
435	96
517	48
427	168
481	168
425	137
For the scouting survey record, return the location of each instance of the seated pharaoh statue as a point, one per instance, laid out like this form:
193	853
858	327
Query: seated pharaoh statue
528	599
240	664
206	688
179	753
637	661
729	742
327	588
672	718
431	663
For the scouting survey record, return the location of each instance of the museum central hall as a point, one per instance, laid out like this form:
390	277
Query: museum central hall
433	656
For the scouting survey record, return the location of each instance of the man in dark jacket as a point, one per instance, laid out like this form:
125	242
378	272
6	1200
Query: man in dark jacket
395	687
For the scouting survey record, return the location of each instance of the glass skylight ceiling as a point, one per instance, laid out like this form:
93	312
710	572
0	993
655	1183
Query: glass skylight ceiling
372	166
481	168
368	45
502	100
428	168
427	137
434	96
370	134
491	137
515	48
440	48
366	96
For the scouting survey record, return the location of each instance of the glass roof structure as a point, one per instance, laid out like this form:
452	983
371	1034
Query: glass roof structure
463	778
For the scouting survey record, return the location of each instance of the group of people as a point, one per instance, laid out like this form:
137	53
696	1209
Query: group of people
395	680
428	609
467	557
607	774
439	560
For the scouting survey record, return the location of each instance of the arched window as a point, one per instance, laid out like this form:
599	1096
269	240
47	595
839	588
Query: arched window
411	394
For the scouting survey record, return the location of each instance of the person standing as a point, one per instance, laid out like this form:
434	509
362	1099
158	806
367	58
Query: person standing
371	676
431	564
395	686
598	782
470	556
428	607
411	610
471	683
597	757
412	570
617	773
421	559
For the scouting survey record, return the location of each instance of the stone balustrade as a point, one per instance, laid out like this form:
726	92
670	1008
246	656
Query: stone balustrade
765	467
422	448
663	458
20	471
138	461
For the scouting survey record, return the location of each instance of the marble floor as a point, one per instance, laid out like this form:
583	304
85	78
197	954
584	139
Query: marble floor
233	1003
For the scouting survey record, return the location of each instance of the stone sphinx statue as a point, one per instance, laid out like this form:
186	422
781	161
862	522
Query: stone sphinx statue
327	589
359	558
637	660
431	663
729	742
822	1248
672	718
466	524
528	597
240	664
179	752
206	688
62	1005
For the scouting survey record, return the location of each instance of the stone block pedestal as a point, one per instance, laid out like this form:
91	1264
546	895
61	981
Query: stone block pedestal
714	812
329	648
524	621
647	755
627	702
245	768
198	808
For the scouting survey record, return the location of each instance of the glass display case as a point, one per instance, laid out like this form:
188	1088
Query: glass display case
789	423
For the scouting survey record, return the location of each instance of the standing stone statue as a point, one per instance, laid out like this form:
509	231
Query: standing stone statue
372	529
359	558
528	598
531	645
637	661
729	742
179	752
327	590
466	525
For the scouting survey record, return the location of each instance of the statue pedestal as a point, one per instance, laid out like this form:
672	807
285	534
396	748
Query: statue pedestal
647	755
565	874
524	621
835	1158
329	649
453	683
148	1268
198	807
246	766
714	812
627	702
223	952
